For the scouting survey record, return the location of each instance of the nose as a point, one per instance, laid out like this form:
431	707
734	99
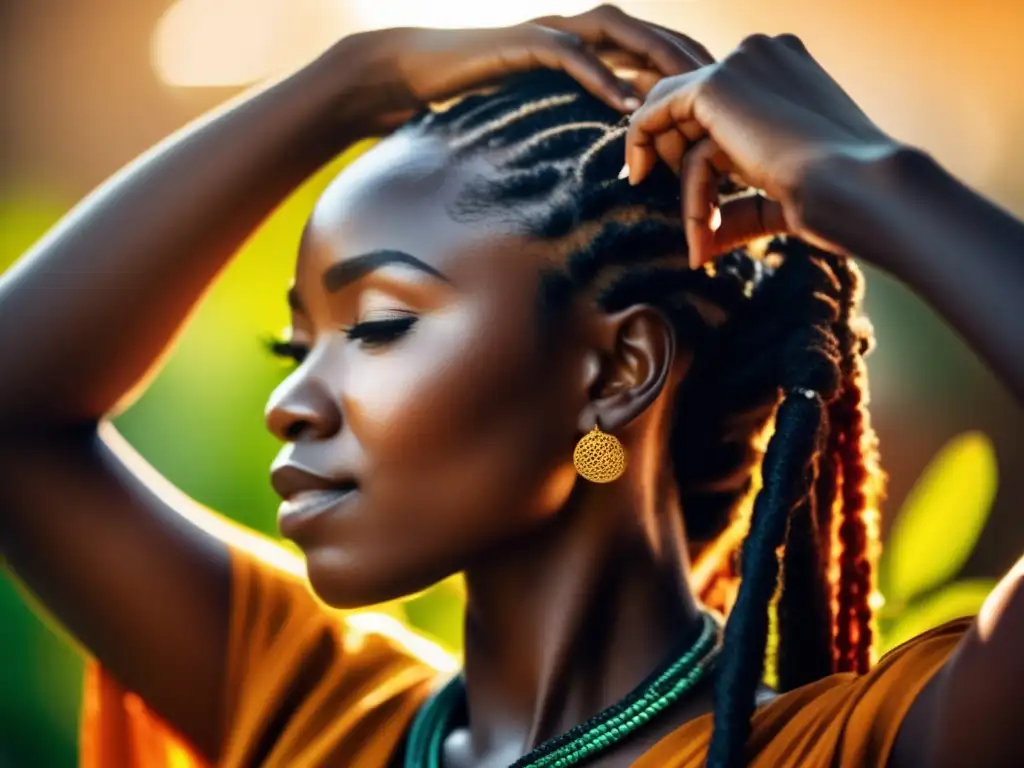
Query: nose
302	409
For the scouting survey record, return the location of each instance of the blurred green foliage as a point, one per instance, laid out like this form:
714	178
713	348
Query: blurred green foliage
932	537
200	422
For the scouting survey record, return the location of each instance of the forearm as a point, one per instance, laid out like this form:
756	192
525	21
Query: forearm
961	253
89	310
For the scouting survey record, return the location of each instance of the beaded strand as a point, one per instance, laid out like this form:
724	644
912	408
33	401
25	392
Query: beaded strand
661	690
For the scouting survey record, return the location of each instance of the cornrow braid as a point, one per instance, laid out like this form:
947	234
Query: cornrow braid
771	352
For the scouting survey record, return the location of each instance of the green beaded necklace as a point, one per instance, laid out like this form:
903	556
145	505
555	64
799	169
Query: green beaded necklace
665	686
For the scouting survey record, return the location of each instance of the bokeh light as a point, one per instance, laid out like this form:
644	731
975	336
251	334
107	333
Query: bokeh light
237	42
222	43
376	14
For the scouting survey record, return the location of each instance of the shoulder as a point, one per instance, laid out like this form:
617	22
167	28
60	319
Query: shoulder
851	720
841	721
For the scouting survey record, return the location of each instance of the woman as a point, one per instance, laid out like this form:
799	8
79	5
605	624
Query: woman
484	309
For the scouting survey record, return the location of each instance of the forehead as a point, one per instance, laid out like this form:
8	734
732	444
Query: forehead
398	196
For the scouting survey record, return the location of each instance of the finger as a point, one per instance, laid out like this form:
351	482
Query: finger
645	80
611	51
702	167
746	219
660	115
631	68
563	51
616	58
693	49
687	46
792	42
670	147
608	24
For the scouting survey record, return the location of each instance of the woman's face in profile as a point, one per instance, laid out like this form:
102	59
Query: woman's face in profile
455	426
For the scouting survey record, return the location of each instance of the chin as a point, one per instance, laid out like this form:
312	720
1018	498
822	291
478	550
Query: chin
342	580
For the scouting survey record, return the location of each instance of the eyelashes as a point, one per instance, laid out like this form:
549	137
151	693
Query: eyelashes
381	331
286	350
374	333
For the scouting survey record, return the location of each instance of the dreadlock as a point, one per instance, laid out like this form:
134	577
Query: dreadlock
777	350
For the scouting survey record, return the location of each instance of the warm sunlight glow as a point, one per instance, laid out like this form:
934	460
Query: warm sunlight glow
382	624
223	43
237	42
375	14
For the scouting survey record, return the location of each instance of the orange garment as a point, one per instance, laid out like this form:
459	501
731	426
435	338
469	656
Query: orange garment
351	685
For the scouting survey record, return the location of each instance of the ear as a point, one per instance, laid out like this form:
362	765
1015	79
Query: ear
634	353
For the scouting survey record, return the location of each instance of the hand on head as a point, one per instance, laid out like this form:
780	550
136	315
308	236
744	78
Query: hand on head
767	115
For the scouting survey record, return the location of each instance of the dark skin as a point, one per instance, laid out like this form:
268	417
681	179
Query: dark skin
120	558
418	413
459	432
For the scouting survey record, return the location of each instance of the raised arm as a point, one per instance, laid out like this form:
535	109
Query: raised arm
112	550
124	560
771	114
960	252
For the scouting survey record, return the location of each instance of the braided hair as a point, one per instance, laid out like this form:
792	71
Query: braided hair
777	350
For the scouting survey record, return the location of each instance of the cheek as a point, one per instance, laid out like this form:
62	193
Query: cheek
460	430
439	387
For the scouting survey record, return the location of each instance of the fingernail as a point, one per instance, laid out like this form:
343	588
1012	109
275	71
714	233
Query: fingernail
716	219
624	173
632	156
631	103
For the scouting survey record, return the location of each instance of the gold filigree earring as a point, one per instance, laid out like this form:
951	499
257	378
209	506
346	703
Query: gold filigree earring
599	457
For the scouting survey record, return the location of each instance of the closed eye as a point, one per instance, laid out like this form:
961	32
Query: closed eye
287	350
372	333
379	332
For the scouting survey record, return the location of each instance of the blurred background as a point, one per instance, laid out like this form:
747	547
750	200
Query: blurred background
89	84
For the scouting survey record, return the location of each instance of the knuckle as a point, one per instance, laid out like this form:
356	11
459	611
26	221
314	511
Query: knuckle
569	40
791	41
609	10
667	85
553	20
547	38
756	42
661	89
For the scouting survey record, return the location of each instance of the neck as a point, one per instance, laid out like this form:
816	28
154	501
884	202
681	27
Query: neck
569	621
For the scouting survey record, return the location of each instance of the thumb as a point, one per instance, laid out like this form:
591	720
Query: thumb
748	218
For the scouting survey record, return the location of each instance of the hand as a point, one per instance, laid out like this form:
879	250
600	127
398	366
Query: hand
766	115
409	67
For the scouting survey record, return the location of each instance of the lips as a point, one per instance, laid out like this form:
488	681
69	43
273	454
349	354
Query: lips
306	496
303	507
290	479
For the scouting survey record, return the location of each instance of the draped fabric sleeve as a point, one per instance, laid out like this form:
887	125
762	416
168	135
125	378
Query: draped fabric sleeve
304	685
118	730
842	721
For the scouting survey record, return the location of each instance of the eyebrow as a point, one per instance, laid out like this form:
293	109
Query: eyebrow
350	270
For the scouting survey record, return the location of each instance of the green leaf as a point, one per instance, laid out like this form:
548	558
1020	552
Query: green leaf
941	519
961	598
439	612
24	218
